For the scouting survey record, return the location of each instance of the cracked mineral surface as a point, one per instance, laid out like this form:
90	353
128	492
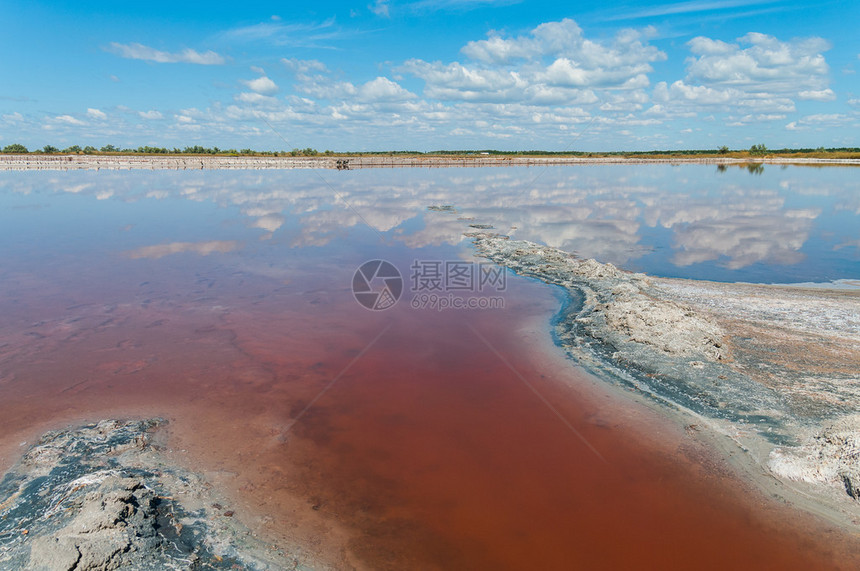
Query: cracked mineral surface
100	497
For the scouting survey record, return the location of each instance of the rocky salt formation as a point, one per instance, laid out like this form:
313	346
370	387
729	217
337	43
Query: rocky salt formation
768	365
619	324
830	457
616	307
102	497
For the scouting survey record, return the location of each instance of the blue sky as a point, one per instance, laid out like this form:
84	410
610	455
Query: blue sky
427	75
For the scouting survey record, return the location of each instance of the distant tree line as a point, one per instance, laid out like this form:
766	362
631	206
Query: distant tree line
755	150
17	148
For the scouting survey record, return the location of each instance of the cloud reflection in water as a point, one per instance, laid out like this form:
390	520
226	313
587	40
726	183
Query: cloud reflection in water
627	215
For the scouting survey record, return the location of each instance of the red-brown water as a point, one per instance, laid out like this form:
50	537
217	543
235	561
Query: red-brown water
403	439
423	449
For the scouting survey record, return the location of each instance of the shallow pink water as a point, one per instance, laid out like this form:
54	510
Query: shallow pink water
422	449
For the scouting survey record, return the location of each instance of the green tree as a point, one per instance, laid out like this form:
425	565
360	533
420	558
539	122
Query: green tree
73	149
109	149
723	150
758	150
50	149
15	148
88	150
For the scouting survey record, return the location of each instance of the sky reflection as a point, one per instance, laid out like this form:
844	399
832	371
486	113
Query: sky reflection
697	221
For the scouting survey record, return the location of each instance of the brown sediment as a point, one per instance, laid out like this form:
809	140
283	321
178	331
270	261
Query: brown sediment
421	450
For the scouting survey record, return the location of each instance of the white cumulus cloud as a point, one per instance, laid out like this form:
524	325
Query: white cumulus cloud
538	66
304	66
256	98
817	95
819	121
68	120
142	52
383	89
768	64
757	73
262	85
96	114
380	8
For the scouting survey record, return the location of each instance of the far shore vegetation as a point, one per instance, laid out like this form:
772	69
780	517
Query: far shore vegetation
756	151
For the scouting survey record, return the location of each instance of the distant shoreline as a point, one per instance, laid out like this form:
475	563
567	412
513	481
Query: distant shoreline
206	162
